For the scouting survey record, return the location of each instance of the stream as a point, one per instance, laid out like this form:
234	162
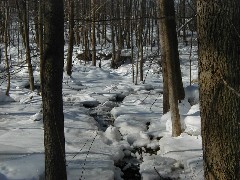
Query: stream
129	165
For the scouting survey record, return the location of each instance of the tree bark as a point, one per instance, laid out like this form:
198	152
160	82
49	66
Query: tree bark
52	74
6	47
168	17
93	34
182	20
219	72
169	44
113	62
40	30
166	106
36	13
27	45
142	27
71	37
21	19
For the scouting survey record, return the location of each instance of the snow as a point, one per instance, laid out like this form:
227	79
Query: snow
4	98
92	151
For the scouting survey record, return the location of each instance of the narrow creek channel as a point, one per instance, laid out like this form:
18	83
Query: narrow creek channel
129	165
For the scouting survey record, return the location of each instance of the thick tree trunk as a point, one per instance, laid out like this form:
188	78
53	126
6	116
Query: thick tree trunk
52	74
169	44
169	27
166	106
219	72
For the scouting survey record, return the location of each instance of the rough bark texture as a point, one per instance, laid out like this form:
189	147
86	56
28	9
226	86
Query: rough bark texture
162	62
52	67
219	72
166	106
169	44
167	14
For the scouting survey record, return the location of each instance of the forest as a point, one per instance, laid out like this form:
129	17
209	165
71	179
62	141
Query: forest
119	89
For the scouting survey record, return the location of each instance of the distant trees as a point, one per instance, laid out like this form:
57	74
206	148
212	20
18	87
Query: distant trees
171	66
22	6
119	24
26	40
131	21
51	79
219	72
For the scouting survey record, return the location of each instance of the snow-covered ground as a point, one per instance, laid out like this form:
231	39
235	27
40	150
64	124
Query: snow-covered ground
136	128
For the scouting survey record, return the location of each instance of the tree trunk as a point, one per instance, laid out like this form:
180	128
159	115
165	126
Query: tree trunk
93	34
168	17
86	45
182	20
113	63
21	19
219	72
52	74
132	52
119	37
142	27
137	70
166	106
40	30
27	45
6	47
169	44
36	13
71	37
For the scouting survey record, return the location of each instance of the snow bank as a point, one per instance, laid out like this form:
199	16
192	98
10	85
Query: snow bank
4	97
187	150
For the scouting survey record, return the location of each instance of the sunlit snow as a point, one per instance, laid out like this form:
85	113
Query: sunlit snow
94	147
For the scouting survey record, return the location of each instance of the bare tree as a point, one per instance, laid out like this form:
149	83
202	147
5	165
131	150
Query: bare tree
28	51
40	30
52	74
6	45
22	7
169	45
71	37
93	34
